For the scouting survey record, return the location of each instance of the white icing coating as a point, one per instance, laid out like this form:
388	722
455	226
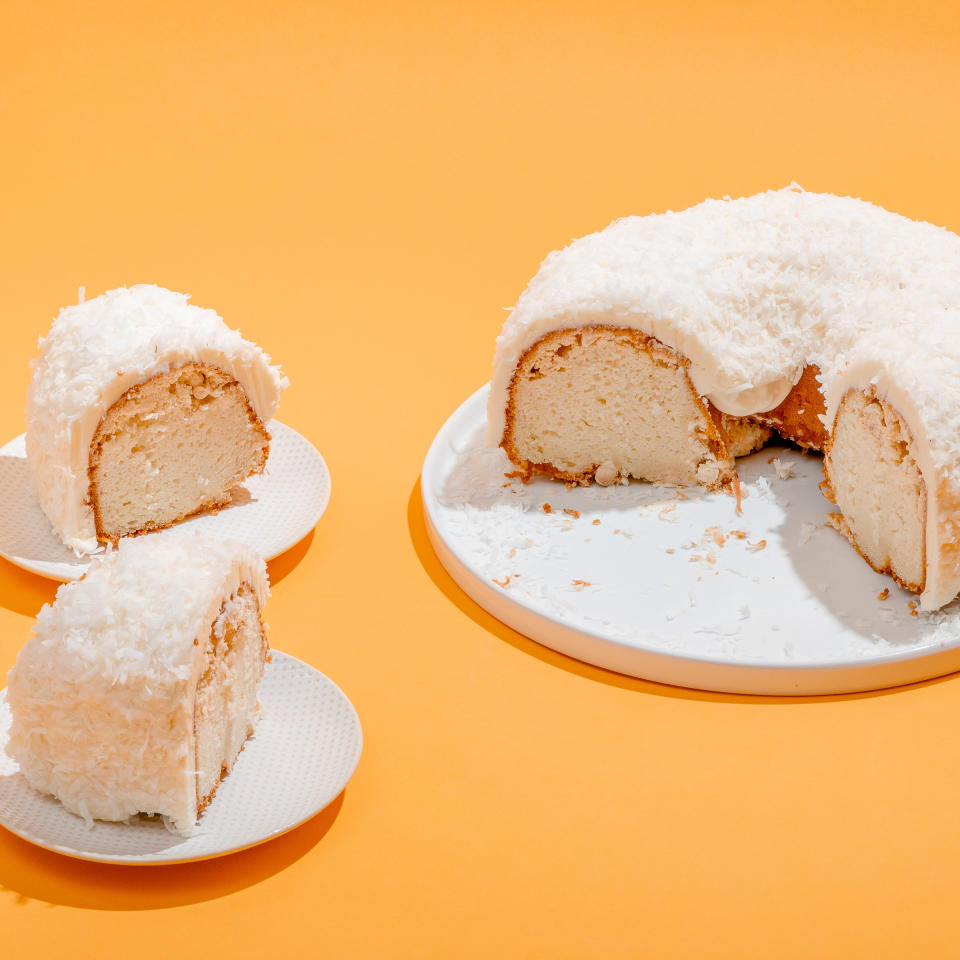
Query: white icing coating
102	693
97	350
751	290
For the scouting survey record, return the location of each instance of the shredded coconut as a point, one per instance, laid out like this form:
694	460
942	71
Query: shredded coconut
98	349
106	683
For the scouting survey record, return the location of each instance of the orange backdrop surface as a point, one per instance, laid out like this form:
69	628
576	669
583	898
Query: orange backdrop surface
361	187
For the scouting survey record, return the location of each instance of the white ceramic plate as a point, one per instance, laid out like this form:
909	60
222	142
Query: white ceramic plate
280	507
305	749
657	583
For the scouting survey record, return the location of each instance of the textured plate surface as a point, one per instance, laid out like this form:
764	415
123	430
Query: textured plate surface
305	749
271	512
674	585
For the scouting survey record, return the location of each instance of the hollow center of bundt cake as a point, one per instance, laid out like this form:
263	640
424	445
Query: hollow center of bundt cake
612	403
234	654
171	446
878	487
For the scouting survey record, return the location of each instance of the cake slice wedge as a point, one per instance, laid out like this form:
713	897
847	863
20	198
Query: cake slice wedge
142	410
138	688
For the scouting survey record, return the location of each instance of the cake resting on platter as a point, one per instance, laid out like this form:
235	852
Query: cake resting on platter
664	347
138	688
143	410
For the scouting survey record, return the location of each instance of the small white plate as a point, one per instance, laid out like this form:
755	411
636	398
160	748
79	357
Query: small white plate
302	754
657	583
280	507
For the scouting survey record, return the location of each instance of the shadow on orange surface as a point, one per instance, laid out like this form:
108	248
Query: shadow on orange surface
30	873
23	592
284	564
449	588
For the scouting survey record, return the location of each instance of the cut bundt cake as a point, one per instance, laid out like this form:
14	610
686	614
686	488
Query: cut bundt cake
664	347
138	688
143	410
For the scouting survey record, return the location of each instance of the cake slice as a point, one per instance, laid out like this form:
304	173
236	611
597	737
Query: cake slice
138	688
143	410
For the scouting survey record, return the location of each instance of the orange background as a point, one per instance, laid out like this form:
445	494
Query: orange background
361	187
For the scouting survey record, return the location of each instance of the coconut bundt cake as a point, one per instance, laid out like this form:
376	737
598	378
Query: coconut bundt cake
664	347
138	688
142	410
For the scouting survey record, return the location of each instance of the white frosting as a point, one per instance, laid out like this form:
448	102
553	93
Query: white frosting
752	290
95	352
102	693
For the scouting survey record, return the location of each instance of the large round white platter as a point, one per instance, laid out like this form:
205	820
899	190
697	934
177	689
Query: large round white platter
305	748
270	513
673	585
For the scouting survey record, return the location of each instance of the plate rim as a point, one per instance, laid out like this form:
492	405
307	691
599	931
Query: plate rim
749	676
151	860
43	568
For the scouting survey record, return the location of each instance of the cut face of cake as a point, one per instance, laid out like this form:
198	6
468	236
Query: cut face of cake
664	347
138	688
877	485
610	404
169	447
143	410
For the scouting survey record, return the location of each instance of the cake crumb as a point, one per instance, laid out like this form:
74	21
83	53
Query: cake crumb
784	470
580	584
738	490
547	508
671	550
756	547
716	535
884	593
606	474
739	534
513	552
596	522
912	605
807	530
518	475
571	512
